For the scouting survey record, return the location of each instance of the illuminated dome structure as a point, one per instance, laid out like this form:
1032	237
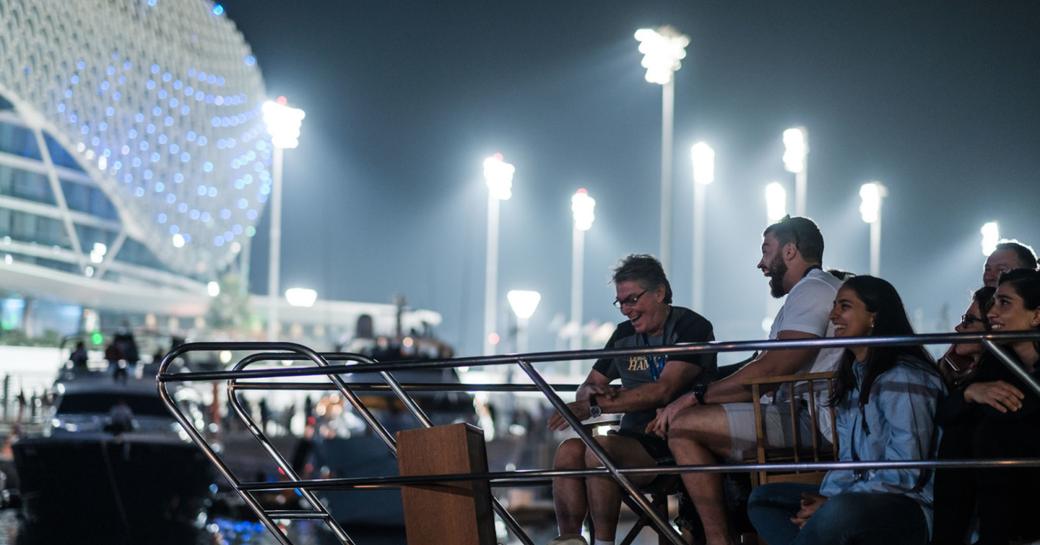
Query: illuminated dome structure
133	152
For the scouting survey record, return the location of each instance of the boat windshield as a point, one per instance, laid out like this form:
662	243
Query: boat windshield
102	403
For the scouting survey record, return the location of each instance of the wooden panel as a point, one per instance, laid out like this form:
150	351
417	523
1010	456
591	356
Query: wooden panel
455	512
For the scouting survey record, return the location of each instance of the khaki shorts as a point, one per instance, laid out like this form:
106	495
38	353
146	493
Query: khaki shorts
777	427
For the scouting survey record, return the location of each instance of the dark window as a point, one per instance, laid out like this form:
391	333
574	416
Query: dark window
135	253
18	141
23	184
102	403
32	228
88	199
59	155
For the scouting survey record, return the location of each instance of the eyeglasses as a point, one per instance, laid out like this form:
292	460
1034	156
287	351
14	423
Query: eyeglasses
629	301
967	320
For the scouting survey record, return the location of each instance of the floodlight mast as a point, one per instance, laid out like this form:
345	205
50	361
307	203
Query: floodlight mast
498	176
871	195
702	157
583	210
796	161
663	49
283	124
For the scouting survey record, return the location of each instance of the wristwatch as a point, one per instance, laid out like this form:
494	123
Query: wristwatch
594	410
698	392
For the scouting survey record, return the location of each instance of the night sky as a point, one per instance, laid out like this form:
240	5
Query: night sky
938	100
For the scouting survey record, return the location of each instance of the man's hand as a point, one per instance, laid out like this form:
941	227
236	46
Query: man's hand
602	390
997	394
580	410
811	502
660	424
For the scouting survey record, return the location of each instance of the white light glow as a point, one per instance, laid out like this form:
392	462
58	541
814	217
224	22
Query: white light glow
178	240
796	149
662	50
225	357
213	288
870	195
990	237
301	297
776	201
97	253
583	207
703	158
498	175
283	123
523	302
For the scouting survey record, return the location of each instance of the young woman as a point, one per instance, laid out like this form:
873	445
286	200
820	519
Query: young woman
994	415
961	361
885	399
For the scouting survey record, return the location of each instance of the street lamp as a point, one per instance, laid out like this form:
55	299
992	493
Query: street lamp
703	158
796	153
663	49
283	124
871	194
990	237
523	303
776	201
301	297
498	175
583	208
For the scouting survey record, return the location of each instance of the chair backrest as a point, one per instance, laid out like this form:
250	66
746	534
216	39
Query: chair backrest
810	391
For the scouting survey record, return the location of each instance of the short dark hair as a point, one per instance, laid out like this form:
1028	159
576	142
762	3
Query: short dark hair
803	232
1025	254
645	270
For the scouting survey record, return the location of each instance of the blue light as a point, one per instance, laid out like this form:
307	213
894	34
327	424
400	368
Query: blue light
203	140
155	69
182	208
80	65
225	213
150	84
190	136
152	3
163	138
74	79
159	187
250	60
218	9
139	117
185	157
139	192
155	157
178	178
177	84
171	198
242	203
194	214
167	77
109	111
61	107
174	149
163	94
161	218
201	190
207	167
205	217
156	111
174	229
111	70
212	191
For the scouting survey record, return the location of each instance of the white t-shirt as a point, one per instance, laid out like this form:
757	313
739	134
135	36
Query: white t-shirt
807	309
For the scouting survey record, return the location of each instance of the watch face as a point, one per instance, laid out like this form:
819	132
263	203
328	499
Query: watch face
595	411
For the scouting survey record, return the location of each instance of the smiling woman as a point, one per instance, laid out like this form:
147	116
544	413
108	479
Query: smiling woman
886	399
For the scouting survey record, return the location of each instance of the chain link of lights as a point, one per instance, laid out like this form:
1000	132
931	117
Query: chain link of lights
159	101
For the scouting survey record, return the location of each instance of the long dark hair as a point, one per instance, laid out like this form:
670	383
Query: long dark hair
890	319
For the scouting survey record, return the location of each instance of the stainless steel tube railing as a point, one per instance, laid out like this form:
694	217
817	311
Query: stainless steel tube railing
242	379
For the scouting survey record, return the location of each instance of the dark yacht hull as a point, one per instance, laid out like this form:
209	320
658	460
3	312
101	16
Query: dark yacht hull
104	490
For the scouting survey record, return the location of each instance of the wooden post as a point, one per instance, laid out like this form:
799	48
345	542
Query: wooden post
455	512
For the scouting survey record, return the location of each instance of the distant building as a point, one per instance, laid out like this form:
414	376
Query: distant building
134	161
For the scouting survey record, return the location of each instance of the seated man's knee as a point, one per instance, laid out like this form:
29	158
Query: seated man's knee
694	424
608	443
570	454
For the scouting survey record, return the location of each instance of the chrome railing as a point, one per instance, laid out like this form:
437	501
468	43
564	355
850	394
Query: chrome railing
239	378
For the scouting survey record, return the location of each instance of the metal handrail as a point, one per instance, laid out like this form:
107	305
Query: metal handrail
296	352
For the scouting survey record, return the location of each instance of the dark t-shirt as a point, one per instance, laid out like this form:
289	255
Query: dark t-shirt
682	326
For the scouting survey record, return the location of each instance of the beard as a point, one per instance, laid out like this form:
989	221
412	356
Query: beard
777	270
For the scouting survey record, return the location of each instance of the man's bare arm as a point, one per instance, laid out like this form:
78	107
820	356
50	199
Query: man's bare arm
768	364
675	379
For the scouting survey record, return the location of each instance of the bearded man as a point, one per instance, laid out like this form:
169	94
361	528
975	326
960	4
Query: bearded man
719	421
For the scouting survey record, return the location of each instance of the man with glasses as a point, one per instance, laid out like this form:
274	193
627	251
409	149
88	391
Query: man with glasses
719	421
1008	255
648	382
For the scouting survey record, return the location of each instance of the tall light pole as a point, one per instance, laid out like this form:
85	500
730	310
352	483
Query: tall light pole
663	49
523	303
990	232
283	124
871	194
498	175
796	155
583	208
703	158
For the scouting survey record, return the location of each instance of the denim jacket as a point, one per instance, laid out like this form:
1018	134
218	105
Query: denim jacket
897	423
